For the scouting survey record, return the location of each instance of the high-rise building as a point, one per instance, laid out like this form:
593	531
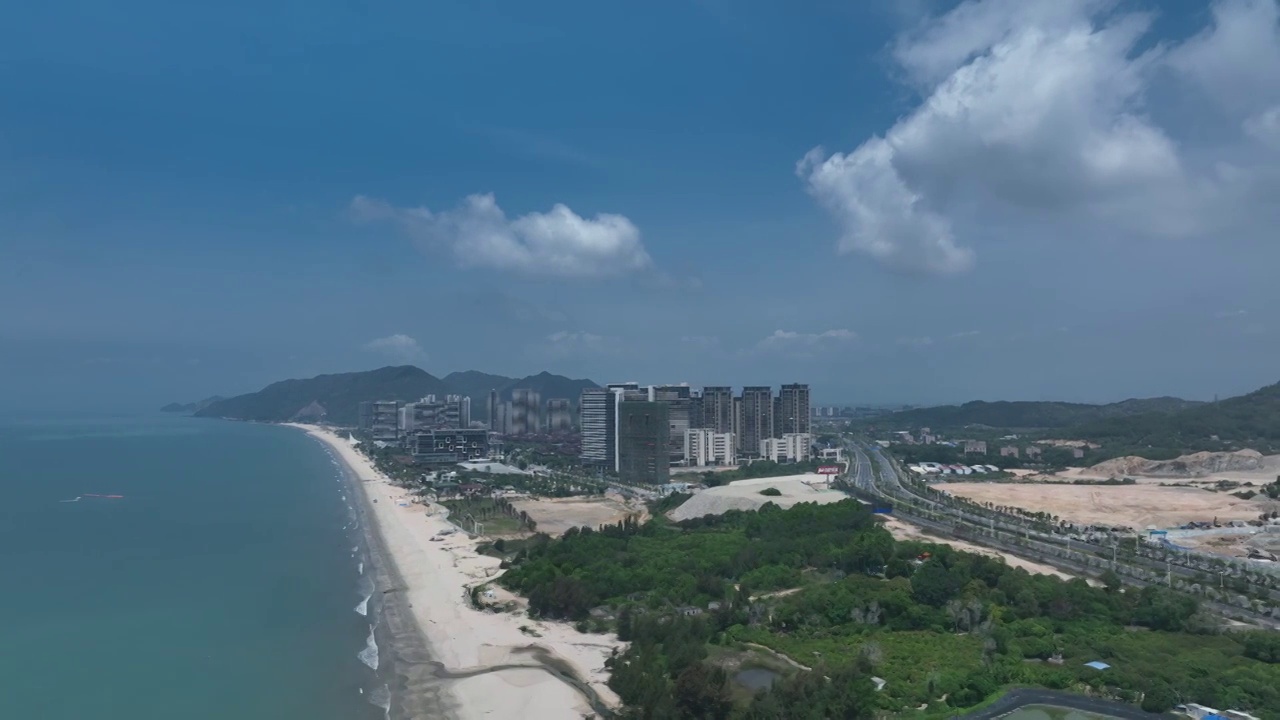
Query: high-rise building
717	409
464	410
365	415
679	400
644	439
598	418
493	411
757	418
708	447
559	415
385	422
525	412
793	413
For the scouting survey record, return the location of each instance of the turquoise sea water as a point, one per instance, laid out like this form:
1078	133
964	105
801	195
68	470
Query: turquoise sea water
222	585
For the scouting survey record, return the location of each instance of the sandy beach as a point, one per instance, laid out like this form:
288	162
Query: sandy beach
484	663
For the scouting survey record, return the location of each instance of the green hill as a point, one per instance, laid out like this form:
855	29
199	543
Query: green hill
1251	420
476	385
550	386
1027	415
192	406
340	395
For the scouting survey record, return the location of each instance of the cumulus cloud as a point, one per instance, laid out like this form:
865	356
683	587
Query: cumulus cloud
398	347
1039	114
558	243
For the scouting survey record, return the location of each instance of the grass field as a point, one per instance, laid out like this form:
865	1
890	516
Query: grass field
485	511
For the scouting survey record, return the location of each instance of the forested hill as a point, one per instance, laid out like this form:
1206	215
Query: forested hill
340	394
1026	414
1251	420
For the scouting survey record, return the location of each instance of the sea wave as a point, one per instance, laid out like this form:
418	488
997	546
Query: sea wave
381	697
363	607
369	655
360	568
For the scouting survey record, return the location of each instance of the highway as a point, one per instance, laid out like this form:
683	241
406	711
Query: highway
872	473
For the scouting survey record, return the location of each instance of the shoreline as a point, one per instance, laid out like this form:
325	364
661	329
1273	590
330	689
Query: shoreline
447	657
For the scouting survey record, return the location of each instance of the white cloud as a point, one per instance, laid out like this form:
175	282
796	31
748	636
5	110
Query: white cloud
568	343
1035	115
804	344
1265	127
557	243
963	334
398	347
916	342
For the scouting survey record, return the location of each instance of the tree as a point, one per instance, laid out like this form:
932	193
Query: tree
1159	698
932	583
702	693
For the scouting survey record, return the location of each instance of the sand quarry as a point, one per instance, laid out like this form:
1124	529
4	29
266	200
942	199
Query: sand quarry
745	495
1137	506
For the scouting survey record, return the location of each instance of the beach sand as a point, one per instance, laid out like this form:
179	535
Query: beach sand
486	664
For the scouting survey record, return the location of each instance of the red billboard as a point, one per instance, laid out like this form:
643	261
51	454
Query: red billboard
830	470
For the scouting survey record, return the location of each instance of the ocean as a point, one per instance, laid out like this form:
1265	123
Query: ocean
226	581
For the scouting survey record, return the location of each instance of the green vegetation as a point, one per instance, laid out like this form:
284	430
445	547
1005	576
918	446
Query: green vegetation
1251	420
758	469
494	515
662	506
771	492
341	394
933	622
1023	415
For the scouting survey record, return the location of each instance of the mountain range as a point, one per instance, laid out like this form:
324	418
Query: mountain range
1154	427
340	394
1025	415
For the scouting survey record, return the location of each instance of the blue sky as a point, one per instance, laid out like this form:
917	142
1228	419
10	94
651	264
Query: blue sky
897	202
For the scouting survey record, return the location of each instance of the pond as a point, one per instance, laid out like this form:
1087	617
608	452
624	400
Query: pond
755	679
1048	712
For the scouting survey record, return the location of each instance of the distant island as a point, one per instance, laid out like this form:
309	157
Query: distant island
191	407
336	398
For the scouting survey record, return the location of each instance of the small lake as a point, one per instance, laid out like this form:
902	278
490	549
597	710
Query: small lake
755	679
1048	712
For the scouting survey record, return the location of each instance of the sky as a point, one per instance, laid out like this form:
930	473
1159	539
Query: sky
896	202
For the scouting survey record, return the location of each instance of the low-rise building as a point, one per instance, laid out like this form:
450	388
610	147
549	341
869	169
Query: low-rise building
791	447
707	447
1009	451
1033	452
447	447
978	447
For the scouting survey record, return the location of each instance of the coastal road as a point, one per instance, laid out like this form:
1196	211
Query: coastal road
1019	698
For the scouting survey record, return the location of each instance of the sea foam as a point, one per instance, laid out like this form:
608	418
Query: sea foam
369	655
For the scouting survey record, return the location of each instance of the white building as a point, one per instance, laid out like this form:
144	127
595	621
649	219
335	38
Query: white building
708	447
791	447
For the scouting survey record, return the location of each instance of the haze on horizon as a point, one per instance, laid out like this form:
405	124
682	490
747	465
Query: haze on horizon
917	202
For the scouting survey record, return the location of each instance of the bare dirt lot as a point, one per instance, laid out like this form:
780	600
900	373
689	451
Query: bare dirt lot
555	515
903	531
745	495
1234	544
1136	506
